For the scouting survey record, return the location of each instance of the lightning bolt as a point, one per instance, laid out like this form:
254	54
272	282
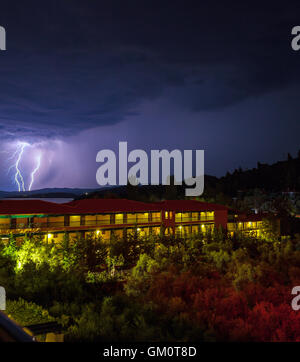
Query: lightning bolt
16	158
34	171
18	175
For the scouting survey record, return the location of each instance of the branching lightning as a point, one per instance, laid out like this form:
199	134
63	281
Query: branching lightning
18	174
34	171
17	156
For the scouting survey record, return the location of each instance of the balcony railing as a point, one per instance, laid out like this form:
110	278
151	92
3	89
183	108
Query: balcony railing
60	224
4	226
142	220
187	219
242	227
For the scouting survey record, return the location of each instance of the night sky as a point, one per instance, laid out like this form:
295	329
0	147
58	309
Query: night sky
80	76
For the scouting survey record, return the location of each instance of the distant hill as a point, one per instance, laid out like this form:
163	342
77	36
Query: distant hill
47	192
147	193
278	177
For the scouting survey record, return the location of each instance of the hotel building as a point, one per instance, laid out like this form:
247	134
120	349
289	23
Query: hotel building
106	217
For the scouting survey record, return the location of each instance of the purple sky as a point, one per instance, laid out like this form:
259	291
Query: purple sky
80	76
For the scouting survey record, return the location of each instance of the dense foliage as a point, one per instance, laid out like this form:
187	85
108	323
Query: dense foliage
201	288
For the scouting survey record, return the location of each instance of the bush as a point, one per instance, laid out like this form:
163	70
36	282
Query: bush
26	313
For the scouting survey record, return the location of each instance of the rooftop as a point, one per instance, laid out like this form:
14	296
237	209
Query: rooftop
85	206
12	207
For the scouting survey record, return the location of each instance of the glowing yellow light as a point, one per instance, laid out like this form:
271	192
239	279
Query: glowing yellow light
180	227
49	236
138	229
202	225
97	232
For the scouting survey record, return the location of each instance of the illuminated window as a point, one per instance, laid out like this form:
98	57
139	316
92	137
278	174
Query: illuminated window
178	216
119	218
103	219
57	220
195	215
90	219
75	220
185	216
202	216
143	217
210	215
131	218
156	216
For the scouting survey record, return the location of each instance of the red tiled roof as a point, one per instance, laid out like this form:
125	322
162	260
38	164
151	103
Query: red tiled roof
250	217
13	207
85	206
110	205
190	205
123	205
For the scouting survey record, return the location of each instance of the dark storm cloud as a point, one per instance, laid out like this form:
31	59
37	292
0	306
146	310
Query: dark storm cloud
77	65
73	96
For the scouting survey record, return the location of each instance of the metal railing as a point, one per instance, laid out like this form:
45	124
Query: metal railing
242	227
59	224
187	219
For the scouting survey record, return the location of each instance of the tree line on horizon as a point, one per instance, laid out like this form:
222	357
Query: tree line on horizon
282	176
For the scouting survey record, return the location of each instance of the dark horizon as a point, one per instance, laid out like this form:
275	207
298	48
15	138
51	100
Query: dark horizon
109	187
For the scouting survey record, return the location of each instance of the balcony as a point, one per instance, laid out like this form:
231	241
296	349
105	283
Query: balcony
194	219
89	223
143	220
244	226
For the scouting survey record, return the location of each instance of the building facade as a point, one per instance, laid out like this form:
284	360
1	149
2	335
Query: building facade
106	217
